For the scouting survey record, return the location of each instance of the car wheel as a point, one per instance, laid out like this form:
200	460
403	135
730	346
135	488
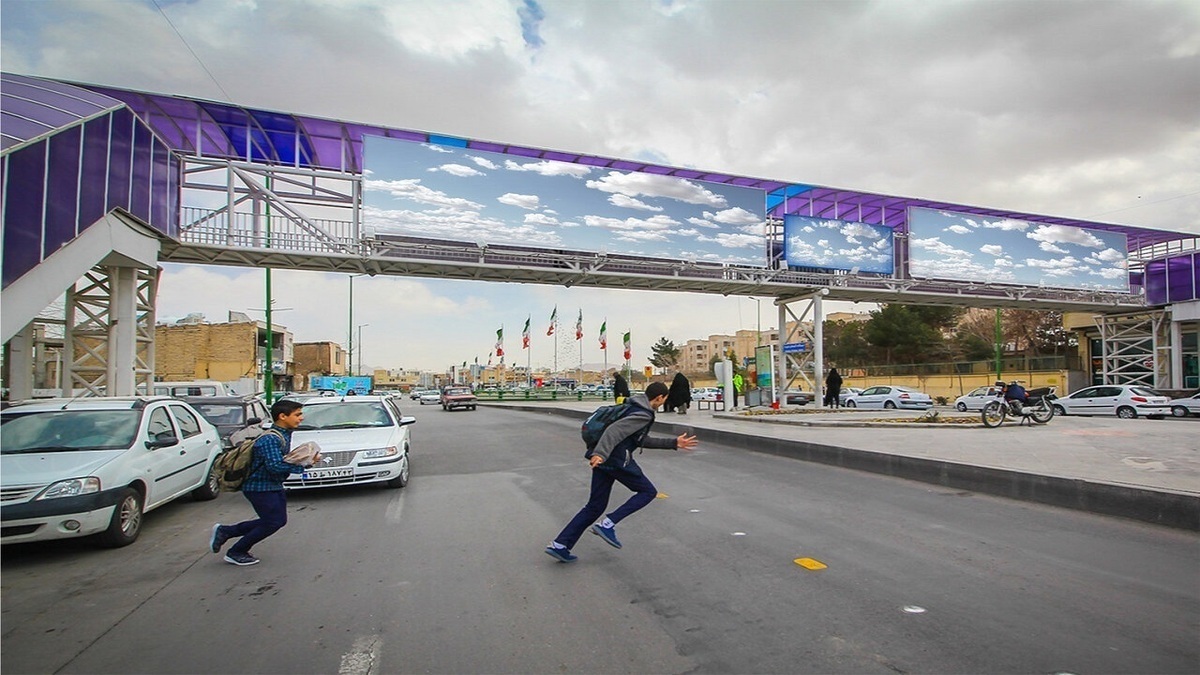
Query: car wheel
1060	411
962	407
889	405
851	404
126	523
1179	411
473	407
402	479
1126	413
211	487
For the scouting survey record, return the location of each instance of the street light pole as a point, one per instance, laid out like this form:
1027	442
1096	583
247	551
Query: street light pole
360	327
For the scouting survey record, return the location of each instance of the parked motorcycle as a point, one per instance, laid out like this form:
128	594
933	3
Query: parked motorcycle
1037	408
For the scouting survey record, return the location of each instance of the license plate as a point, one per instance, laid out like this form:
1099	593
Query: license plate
328	473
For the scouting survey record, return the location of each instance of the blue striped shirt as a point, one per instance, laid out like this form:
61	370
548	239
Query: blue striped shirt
268	470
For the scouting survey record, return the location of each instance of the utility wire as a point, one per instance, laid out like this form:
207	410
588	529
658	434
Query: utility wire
193	52
1138	206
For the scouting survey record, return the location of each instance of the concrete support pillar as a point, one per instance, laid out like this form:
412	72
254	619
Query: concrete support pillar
122	331
20	364
818	350
1176	353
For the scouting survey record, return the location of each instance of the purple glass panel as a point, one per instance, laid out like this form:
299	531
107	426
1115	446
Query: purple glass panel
560	156
120	153
1196	272
39	111
522	152
160	187
95	176
143	158
18	129
72	104
23	201
1156	282
62	187
1180	279
484	145
172	199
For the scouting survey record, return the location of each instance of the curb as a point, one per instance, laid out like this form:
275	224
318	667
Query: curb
1159	507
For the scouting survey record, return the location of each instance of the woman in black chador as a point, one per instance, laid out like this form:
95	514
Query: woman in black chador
620	387
679	397
833	389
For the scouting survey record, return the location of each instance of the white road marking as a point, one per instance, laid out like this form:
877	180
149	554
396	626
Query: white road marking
394	508
363	657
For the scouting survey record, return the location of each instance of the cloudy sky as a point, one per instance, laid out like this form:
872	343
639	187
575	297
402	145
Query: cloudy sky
1078	109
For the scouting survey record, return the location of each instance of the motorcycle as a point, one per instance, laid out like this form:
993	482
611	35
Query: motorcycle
1037	408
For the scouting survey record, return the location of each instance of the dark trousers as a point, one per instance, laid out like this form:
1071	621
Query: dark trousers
630	476
271	508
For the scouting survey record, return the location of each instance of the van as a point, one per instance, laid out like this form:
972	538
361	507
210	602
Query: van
193	388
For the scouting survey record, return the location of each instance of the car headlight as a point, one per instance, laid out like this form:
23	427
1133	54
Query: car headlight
71	488
381	452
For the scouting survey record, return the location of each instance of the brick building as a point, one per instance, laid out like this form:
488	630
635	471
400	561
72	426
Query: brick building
225	352
318	358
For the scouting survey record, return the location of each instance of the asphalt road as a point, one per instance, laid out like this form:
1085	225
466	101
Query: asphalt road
448	576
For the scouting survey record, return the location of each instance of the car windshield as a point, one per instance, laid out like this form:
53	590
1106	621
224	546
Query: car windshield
68	430
345	415
457	392
221	413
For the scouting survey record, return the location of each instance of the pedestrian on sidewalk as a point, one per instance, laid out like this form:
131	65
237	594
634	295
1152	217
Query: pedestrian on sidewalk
833	389
263	487
739	387
679	396
612	462
620	388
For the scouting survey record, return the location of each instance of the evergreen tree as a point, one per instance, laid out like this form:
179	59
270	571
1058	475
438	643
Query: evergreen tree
665	354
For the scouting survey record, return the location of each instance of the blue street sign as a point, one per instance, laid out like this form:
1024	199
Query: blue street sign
795	347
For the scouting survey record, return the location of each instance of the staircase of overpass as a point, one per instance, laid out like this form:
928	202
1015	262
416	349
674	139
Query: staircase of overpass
101	185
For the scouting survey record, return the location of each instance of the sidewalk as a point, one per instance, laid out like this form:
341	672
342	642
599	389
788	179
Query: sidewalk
1143	469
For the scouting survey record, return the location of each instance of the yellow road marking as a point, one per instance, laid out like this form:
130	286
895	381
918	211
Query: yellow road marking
663	495
810	564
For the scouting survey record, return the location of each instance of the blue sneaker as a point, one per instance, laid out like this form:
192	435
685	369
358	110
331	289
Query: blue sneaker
218	539
561	554
608	534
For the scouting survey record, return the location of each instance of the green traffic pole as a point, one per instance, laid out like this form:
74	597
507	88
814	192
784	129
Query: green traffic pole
268	367
999	337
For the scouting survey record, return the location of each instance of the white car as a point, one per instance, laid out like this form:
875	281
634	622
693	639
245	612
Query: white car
976	399
363	439
890	397
1182	407
707	394
1126	401
845	393
434	396
73	468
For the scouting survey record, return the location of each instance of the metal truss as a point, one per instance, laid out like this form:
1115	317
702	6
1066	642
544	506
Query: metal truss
1136	348
108	335
806	327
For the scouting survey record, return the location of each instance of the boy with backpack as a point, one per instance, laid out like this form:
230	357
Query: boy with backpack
612	462
263	486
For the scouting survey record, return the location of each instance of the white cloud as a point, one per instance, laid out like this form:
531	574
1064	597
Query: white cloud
548	168
412	189
1051	248
631	203
483	161
959	229
1007	224
520	201
459	170
1060	234
992	249
650	185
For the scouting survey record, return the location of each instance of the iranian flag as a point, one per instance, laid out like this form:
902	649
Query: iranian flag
628	352
525	334
500	342
604	335
579	326
553	321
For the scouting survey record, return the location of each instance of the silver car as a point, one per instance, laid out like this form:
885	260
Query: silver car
976	399
1189	405
363	439
890	397
1126	401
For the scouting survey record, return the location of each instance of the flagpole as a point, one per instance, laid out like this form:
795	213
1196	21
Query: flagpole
604	378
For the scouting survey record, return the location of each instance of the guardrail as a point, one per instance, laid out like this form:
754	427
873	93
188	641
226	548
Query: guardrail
542	395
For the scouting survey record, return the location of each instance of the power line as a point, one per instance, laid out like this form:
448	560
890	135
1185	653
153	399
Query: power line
1138	206
193	52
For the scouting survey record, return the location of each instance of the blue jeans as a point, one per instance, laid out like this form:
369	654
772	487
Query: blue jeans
630	476
271	508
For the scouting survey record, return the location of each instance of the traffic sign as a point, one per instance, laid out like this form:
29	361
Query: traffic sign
795	347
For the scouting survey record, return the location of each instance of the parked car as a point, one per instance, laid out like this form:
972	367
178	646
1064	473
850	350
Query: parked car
795	397
975	399
363	439
74	468
847	392
890	397
235	417
707	394
1189	405
1126	401
458	397
431	396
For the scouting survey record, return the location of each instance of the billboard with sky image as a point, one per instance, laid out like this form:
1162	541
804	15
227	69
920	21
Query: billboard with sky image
963	246
830	244
458	194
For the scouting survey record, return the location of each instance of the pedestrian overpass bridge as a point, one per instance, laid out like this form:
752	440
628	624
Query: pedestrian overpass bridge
100	185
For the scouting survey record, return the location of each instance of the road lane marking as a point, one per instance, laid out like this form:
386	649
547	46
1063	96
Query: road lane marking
810	564
363	657
392	514
663	495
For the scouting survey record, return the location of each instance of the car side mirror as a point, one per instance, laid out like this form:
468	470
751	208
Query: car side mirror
404	421
253	420
161	442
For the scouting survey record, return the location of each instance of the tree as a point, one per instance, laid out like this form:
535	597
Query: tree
902	332
665	354
733	359
846	343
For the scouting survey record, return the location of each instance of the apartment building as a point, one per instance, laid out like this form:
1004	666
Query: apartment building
226	352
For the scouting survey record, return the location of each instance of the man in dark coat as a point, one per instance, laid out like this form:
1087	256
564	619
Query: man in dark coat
833	389
679	397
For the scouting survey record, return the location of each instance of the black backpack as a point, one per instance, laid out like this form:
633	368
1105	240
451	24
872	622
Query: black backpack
594	426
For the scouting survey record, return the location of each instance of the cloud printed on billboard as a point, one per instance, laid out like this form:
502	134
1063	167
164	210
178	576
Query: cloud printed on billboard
465	195
949	245
830	244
